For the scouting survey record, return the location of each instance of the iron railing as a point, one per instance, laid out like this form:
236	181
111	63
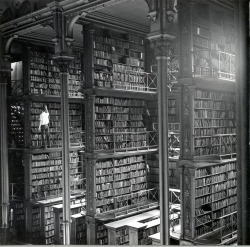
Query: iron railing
128	141
215	64
138	201
16	190
174	207
228	226
129	80
16	88
226	66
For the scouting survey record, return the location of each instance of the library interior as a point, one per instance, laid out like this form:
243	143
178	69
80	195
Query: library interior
124	122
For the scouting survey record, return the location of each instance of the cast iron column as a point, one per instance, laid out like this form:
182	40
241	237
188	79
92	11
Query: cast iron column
162	33
4	79
242	121
63	64
162	89
63	57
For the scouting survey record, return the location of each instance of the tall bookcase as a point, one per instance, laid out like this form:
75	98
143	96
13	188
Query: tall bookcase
39	85
208	121
208	135
118	136
213	42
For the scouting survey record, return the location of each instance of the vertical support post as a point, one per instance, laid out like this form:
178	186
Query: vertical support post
63	63
162	90
91	201
88	43
162	32
4	79
63	56
242	122
90	123
187	173
65	156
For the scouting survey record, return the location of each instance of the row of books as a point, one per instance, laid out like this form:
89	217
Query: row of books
199	132
214	122
214	95
215	105
120	102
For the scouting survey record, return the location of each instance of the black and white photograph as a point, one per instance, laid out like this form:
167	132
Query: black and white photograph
124	122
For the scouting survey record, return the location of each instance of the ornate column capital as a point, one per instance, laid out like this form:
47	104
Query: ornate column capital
63	62
6	64
163	47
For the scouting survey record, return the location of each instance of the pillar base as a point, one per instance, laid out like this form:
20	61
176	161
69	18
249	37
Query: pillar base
4	236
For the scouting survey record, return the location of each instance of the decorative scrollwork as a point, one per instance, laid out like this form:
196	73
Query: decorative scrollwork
63	63
186	123
91	182
90	116
152	16
187	175
162	47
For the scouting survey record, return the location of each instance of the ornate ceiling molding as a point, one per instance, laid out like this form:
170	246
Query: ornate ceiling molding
107	20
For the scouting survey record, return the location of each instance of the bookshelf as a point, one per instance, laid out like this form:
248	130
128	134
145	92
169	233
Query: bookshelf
45	175
55	123
77	171
19	218
39	86
214	122
76	124
16	124
117	180
101	233
213	42
120	232
119	123
75	209
78	229
118	137
44	75
117	60
174	174
212	188
35	224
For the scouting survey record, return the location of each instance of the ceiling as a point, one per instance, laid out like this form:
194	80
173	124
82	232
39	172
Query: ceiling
129	12
132	10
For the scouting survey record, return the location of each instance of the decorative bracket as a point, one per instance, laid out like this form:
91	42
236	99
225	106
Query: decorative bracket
63	62
8	43
152	16
73	20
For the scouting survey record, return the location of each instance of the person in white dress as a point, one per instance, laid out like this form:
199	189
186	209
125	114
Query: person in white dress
44	127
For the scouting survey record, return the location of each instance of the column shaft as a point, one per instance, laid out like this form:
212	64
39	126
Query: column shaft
65	157
163	147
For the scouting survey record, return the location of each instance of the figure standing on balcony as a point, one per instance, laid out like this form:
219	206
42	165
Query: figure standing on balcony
44	127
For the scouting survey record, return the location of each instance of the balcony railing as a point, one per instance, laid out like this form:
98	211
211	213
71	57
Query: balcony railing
174	207
226	66
228	226
16	190
215	64
16	88
129	80
138	200
220	144
127	141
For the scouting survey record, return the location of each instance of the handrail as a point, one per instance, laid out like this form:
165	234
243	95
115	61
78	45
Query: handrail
215	64
130	80
16	190
17	88
125	141
228	226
